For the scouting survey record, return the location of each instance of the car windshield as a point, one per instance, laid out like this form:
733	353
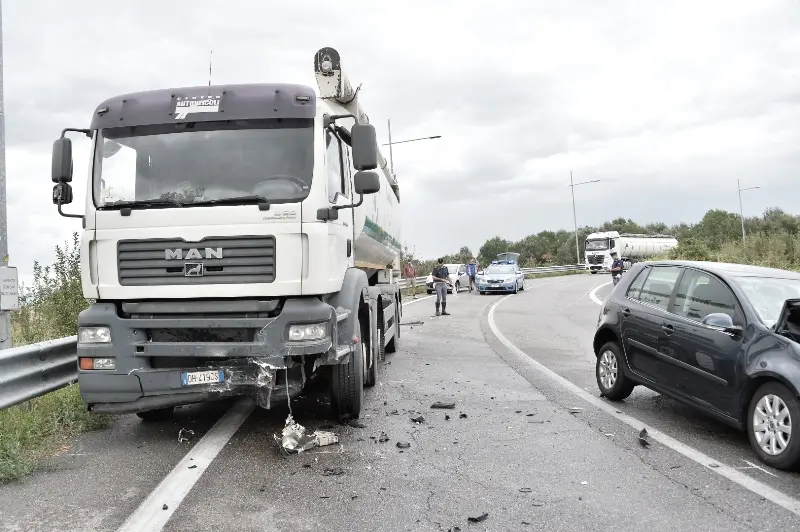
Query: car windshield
500	269
204	161
453	268
768	294
597	245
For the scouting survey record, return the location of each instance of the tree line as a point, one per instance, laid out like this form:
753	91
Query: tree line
772	239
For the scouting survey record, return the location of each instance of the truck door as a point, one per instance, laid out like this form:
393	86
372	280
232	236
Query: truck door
340	236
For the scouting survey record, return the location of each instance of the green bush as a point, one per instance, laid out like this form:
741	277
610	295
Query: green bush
32	433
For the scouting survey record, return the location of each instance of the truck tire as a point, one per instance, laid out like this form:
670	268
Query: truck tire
370	373
391	347
347	384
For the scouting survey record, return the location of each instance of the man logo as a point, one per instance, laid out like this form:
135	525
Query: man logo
193	269
193	253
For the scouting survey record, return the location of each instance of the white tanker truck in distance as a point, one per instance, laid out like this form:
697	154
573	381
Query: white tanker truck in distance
237	240
629	247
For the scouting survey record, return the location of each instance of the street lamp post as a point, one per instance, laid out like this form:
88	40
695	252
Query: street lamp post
741	211
574	215
390	144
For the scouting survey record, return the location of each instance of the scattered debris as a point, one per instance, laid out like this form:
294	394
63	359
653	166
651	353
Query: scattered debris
354	497
462	415
294	438
446	417
525	490
454	529
332	471
418	419
713	465
193	466
443	405
529	415
181	438
525	523
324	497
165	507
643	438
584	483
478	519
674	467
608	434
418	322
403	445
356	424
518	412
575	410
307	465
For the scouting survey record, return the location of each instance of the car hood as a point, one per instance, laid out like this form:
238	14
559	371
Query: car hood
502	276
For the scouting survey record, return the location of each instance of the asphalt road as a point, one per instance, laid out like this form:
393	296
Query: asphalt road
530	452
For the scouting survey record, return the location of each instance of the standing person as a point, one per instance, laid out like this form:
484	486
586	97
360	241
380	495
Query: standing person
472	271
441	280
410	272
616	268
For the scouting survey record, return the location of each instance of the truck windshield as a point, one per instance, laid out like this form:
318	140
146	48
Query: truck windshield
597	245
204	161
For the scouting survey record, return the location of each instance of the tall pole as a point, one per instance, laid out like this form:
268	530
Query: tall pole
741	210
5	316
391	158
575	221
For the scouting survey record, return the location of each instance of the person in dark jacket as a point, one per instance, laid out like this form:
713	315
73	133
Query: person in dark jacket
616	268
441	280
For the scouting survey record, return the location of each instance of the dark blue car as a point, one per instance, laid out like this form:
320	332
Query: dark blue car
721	337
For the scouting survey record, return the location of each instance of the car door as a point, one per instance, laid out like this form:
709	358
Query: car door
642	317
520	279
463	278
706	357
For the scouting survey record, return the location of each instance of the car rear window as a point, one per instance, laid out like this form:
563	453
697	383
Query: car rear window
635	289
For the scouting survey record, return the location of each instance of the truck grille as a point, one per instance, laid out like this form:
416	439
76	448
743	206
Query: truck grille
243	259
594	259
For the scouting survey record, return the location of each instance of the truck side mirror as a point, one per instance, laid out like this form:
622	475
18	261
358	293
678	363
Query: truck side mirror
366	182
62	194
62	160
364	142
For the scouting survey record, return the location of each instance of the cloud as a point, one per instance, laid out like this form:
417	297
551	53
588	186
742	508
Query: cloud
667	103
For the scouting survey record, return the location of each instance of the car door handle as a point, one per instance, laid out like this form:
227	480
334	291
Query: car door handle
626	312
667	328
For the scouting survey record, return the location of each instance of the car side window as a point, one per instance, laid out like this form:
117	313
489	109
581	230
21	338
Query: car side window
333	156
658	287
461	269
701	294
635	289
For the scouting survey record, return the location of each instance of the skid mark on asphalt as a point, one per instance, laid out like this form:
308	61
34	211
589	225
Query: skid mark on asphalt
781	499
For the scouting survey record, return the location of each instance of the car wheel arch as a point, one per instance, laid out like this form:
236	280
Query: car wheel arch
754	382
602	337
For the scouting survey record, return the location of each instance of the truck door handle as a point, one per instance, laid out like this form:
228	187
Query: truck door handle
667	328
626	312
349	247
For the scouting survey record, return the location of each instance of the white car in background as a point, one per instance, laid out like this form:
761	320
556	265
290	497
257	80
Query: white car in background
458	278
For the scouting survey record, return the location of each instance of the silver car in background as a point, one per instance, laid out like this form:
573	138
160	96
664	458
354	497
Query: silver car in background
458	278
500	278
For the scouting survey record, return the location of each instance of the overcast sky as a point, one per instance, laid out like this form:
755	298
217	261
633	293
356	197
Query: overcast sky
667	102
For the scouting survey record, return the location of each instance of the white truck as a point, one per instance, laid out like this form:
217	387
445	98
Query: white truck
629	247
237	240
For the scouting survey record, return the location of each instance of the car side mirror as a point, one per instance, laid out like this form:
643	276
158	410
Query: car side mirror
366	182
722	321
364	143
61	170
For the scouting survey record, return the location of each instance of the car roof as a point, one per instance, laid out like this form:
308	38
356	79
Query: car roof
731	269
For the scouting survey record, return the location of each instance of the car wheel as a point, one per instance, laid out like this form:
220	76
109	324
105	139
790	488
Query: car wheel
430	292
594	272
771	418
611	379
457	288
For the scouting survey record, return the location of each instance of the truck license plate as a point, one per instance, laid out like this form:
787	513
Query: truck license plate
202	377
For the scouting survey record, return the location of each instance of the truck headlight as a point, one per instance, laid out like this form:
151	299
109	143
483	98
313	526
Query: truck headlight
308	331
94	335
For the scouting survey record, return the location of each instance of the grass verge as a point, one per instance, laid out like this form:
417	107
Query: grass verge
28	437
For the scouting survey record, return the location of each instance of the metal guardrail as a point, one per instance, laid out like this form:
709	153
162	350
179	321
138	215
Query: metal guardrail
34	370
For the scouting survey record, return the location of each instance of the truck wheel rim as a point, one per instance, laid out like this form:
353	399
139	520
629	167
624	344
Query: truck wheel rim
608	369
772	425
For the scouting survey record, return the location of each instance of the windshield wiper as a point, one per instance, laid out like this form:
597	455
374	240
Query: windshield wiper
263	203
141	203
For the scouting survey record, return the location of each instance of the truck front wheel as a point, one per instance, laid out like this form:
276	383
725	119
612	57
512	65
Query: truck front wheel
347	382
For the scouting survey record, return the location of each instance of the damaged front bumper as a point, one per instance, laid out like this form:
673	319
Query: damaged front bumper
169	354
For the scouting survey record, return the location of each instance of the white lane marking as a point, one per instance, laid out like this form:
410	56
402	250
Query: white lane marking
149	516
751	465
749	483
417	300
593	293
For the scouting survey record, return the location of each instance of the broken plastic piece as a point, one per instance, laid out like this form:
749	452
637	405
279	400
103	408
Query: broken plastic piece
478	519
462	415
441	404
525	490
384	438
294	438
575	410
418	419
403	445
182	438
332	471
